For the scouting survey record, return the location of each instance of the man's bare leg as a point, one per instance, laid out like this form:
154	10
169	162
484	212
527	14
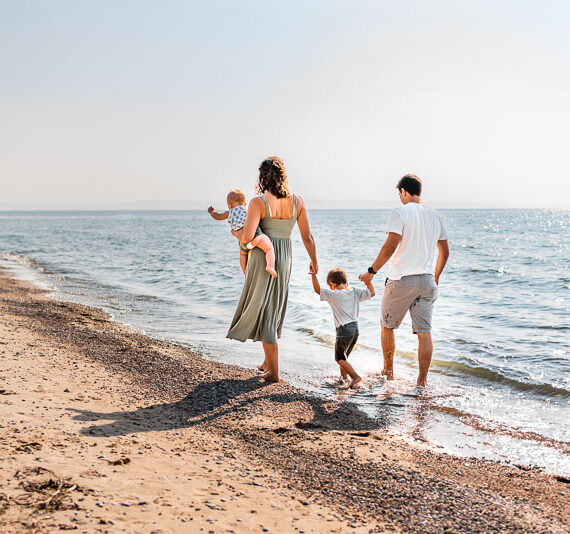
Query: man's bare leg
243	260
264	243
425	351
271	362
388	348
348	369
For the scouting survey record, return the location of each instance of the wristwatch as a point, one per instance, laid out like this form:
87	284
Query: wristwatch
371	270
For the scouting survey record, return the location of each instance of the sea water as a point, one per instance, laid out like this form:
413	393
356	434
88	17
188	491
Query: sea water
499	384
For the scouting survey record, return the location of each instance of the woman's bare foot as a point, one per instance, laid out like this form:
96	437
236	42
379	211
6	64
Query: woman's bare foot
262	367
270	377
271	271
355	382
388	373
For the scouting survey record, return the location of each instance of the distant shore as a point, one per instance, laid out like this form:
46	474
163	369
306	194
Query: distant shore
107	430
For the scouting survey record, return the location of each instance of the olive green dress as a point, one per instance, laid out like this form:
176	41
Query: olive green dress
261	309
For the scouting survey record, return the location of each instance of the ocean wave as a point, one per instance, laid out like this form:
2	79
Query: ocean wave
473	369
321	338
20	260
480	423
465	368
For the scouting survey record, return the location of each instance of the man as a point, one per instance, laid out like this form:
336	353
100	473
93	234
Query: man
414	233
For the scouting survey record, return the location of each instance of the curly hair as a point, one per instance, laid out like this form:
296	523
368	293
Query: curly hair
272	178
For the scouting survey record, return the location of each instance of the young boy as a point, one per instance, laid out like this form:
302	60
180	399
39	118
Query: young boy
236	215
344	302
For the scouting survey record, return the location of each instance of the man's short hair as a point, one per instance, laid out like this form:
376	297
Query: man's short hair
410	183
337	277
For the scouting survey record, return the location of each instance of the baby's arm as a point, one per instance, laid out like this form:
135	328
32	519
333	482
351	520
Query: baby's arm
218	216
314	279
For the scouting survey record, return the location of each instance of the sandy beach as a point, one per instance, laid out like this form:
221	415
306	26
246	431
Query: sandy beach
106	430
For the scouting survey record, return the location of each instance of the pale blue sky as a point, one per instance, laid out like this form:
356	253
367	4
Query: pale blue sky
171	104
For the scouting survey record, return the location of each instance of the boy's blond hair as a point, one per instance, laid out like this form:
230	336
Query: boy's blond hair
236	196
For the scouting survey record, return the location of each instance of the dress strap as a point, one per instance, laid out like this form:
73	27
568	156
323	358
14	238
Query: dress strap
268	212
294	207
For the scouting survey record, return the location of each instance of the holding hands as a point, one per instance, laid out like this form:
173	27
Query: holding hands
366	278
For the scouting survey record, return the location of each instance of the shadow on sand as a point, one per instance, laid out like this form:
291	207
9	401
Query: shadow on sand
209	401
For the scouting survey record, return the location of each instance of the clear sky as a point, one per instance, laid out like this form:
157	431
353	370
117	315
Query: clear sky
158	104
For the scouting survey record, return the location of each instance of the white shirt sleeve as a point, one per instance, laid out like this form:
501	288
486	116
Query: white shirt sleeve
443	230
326	294
396	223
364	294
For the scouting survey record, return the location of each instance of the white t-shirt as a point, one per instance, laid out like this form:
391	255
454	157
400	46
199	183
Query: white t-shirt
345	303
421	227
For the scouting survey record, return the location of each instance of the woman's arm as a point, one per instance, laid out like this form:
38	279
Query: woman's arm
305	229
254	213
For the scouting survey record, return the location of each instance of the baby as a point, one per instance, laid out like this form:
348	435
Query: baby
344	302
236	215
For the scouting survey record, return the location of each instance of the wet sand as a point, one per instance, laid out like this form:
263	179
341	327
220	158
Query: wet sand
106	430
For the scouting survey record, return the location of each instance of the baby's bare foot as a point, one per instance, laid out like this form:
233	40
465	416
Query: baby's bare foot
355	382
271	271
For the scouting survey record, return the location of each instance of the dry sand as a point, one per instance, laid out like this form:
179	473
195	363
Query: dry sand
105	430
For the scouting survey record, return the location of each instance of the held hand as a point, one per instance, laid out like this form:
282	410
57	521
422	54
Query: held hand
313	268
366	278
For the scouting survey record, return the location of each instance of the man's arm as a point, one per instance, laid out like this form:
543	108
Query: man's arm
218	216
388	248
442	256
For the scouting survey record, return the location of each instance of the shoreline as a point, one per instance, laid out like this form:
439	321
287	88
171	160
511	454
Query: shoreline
210	444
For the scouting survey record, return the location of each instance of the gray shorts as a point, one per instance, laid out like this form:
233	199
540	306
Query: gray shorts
416	293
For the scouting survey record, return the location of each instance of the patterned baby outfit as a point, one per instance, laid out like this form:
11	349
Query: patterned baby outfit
237	216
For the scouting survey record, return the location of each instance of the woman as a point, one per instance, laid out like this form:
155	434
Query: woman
261	309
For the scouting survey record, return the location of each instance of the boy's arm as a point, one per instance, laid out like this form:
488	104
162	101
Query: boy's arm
315	280
370	288
218	216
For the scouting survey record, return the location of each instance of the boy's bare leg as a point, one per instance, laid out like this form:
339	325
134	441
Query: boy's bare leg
243	260
265	244
425	351
388	348
271	362
349	370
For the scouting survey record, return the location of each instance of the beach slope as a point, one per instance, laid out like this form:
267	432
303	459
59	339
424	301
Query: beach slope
103	429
